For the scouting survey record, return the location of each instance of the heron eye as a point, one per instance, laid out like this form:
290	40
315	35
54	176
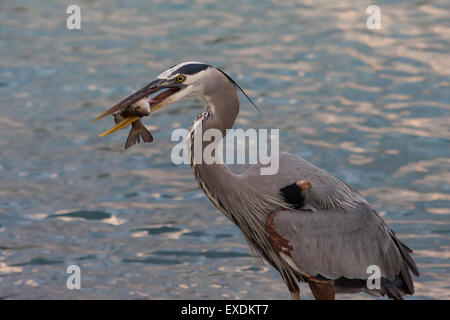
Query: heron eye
180	78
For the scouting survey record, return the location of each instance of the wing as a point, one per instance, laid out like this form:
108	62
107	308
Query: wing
327	191
343	245
340	237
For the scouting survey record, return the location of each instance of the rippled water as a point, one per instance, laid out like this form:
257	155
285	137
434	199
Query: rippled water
371	107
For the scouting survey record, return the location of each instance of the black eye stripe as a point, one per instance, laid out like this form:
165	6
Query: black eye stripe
192	68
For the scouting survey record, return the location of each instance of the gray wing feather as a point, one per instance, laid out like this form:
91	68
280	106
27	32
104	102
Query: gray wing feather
340	245
342	236
327	191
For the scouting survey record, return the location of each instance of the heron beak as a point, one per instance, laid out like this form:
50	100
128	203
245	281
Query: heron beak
163	99
149	89
125	122
157	102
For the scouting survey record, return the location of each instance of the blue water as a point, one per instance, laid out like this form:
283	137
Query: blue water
371	107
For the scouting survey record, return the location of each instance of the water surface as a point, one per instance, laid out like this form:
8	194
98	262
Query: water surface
371	107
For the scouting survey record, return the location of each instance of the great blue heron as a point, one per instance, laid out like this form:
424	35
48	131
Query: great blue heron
309	225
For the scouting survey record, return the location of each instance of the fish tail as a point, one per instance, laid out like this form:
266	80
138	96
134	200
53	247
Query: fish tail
133	137
145	134
137	131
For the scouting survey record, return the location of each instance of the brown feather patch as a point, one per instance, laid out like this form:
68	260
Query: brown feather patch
322	290
281	244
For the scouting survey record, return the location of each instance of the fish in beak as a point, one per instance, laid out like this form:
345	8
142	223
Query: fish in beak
149	89
133	108
132	115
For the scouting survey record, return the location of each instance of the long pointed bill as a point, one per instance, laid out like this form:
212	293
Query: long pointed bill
149	89
125	122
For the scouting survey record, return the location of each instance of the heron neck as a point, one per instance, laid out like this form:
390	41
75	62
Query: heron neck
240	201
216	179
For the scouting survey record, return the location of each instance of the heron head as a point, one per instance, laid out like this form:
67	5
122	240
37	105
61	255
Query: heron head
187	79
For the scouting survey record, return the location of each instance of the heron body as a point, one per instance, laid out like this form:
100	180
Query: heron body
306	223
